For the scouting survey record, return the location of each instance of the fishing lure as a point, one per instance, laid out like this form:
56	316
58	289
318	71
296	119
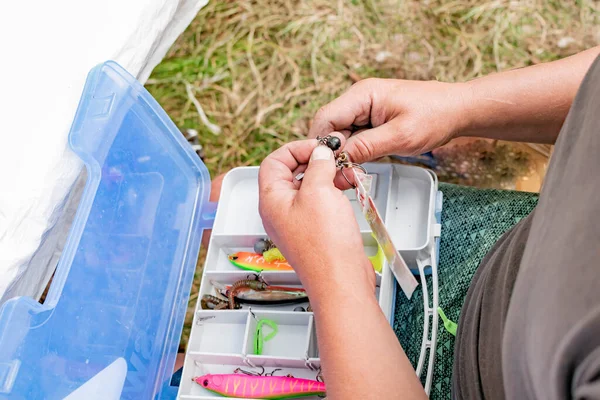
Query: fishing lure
270	295
209	302
260	387
256	262
273	254
378	259
244	284
259	338
450	326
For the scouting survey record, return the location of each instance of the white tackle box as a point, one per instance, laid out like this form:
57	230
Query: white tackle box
222	340
111	324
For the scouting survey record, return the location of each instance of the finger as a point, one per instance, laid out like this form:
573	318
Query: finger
340	182
373	143
279	165
352	108
321	168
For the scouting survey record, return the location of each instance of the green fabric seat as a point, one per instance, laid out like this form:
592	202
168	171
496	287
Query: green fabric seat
472	221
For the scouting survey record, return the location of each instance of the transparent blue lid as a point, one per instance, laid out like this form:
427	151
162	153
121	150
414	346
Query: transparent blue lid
111	323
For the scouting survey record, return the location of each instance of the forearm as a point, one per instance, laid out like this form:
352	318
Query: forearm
528	104
360	354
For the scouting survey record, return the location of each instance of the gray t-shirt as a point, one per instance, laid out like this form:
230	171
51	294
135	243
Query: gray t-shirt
530	324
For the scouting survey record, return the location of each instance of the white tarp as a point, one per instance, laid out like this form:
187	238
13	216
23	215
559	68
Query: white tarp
48	47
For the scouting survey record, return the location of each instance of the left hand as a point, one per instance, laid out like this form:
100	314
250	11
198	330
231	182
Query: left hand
312	222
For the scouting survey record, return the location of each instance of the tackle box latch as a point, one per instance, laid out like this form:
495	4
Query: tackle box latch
208	215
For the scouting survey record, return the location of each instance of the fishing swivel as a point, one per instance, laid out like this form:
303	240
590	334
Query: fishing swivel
343	161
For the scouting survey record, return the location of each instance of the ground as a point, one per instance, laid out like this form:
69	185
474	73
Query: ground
249	76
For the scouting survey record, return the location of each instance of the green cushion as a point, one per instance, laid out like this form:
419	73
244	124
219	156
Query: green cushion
472	221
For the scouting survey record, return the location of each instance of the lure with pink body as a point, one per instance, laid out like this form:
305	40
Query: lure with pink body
260	387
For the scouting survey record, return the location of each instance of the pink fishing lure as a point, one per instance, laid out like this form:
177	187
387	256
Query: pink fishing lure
260	387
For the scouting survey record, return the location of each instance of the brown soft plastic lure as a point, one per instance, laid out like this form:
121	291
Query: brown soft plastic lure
243	285
263	295
209	302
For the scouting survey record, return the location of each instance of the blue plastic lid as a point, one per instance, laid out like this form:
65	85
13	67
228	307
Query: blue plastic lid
111	323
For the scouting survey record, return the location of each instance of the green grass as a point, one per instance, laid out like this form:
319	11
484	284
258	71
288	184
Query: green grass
261	69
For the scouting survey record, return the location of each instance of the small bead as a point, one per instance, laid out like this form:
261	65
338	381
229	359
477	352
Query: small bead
299	308
334	142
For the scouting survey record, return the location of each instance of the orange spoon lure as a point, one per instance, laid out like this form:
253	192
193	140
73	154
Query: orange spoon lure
256	262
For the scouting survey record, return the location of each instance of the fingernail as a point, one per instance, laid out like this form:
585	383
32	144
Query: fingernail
321	153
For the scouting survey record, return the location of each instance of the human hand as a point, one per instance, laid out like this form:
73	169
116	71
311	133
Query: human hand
311	221
388	116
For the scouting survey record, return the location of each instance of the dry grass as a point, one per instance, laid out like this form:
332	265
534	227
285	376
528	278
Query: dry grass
259	70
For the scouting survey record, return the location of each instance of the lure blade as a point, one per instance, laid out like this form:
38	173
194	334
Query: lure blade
256	262
260	387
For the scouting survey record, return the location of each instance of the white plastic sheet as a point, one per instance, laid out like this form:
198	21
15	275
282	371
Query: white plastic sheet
48	47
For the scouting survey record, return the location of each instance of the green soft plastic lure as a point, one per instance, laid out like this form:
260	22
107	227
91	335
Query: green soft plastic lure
260	338
378	259
450	326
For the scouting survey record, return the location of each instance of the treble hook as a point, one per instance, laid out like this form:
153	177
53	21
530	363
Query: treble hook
319	377
272	372
261	373
256	277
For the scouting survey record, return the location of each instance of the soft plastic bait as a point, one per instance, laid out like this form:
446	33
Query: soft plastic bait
208	302
260	387
244	284
378	259
256	262
267	295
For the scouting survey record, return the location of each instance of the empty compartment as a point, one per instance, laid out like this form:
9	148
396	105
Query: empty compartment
291	339
218	332
410	208
197	365
237	212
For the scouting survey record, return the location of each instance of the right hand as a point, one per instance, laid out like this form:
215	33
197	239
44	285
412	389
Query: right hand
380	117
312	222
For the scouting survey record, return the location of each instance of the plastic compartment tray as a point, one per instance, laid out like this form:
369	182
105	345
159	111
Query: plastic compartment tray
221	340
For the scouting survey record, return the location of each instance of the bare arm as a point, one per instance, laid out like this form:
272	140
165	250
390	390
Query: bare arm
359	350
313	224
413	117
527	104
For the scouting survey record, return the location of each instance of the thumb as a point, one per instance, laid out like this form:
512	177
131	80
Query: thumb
321	168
